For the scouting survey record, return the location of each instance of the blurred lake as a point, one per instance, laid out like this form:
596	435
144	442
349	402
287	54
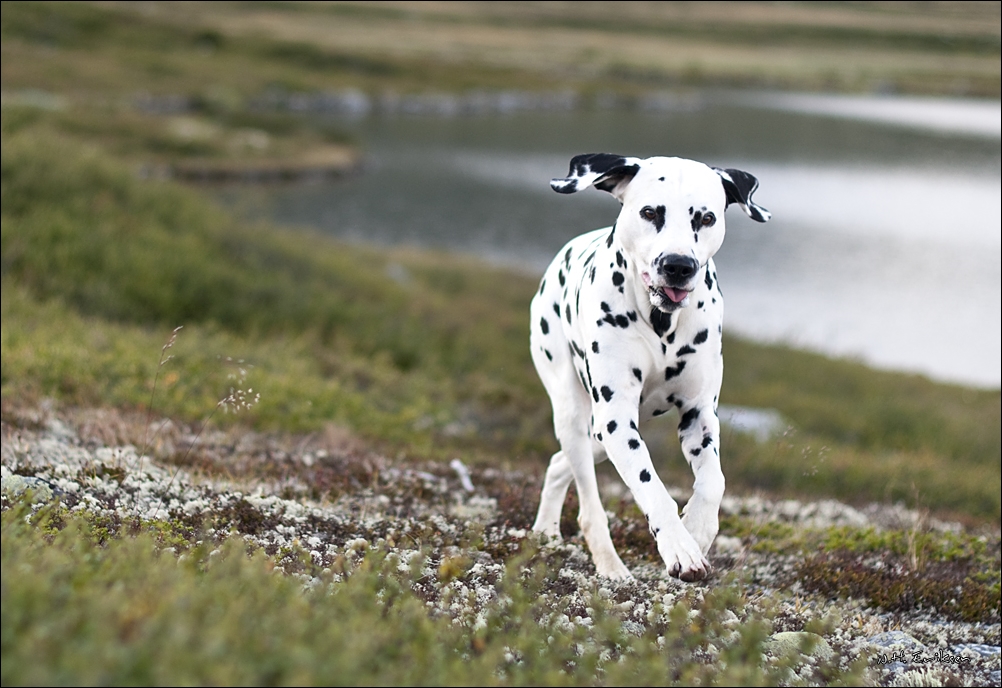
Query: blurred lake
885	242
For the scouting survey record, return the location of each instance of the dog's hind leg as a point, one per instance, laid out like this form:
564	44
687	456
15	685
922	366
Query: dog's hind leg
576	459
551	503
571	425
591	516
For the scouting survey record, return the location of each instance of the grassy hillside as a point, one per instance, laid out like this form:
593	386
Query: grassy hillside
98	267
629	47
398	361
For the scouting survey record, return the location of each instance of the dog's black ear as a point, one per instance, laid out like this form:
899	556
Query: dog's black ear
739	187
607	172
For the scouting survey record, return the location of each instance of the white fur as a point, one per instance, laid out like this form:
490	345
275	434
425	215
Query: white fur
606	369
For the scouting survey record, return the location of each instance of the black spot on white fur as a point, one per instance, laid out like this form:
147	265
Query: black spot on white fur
687	418
674	371
660	321
659	219
645	476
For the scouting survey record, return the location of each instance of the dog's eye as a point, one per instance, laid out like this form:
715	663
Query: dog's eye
648	213
709	219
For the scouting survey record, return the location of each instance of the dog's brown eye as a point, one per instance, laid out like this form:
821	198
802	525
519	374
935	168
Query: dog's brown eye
708	219
648	213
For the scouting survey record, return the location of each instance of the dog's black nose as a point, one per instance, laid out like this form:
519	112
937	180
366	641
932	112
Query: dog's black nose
676	268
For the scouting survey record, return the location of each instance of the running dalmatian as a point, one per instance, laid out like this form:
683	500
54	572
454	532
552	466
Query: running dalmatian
627	325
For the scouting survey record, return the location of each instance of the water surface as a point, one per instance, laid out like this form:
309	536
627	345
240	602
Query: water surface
885	242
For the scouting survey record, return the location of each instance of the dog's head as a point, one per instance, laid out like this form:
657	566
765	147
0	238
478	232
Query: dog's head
672	221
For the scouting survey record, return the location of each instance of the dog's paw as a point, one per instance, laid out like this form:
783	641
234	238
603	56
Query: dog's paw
702	523
611	567
548	540
683	556
547	529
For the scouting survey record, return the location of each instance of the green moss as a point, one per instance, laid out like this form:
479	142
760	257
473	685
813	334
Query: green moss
956	573
125	611
887	581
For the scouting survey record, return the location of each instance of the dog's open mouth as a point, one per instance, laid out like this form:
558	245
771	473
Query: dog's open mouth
669	299
675	295
664	297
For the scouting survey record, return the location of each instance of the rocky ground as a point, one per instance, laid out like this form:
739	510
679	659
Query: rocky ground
319	502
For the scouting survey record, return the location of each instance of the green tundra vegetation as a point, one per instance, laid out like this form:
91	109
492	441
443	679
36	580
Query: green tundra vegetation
99	267
99	264
124	613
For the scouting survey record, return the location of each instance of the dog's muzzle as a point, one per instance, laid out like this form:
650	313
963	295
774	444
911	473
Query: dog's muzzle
674	275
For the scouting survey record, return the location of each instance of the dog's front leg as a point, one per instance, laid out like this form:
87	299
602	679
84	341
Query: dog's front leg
699	435
616	415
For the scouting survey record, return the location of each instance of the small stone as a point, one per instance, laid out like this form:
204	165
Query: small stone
633	628
724	544
896	640
979	649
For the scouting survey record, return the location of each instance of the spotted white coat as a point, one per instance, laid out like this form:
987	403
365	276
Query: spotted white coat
627	326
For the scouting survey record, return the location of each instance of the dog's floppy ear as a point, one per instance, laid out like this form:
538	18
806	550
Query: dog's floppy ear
604	170
739	187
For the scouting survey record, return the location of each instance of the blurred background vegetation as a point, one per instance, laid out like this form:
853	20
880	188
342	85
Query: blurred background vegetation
103	253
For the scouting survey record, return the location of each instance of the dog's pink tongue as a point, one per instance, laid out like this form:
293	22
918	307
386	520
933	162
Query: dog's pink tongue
676	295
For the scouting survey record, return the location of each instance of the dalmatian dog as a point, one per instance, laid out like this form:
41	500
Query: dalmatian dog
625	326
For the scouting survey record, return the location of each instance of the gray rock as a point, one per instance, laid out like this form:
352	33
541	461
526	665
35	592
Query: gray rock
16	485
896	640
987	651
